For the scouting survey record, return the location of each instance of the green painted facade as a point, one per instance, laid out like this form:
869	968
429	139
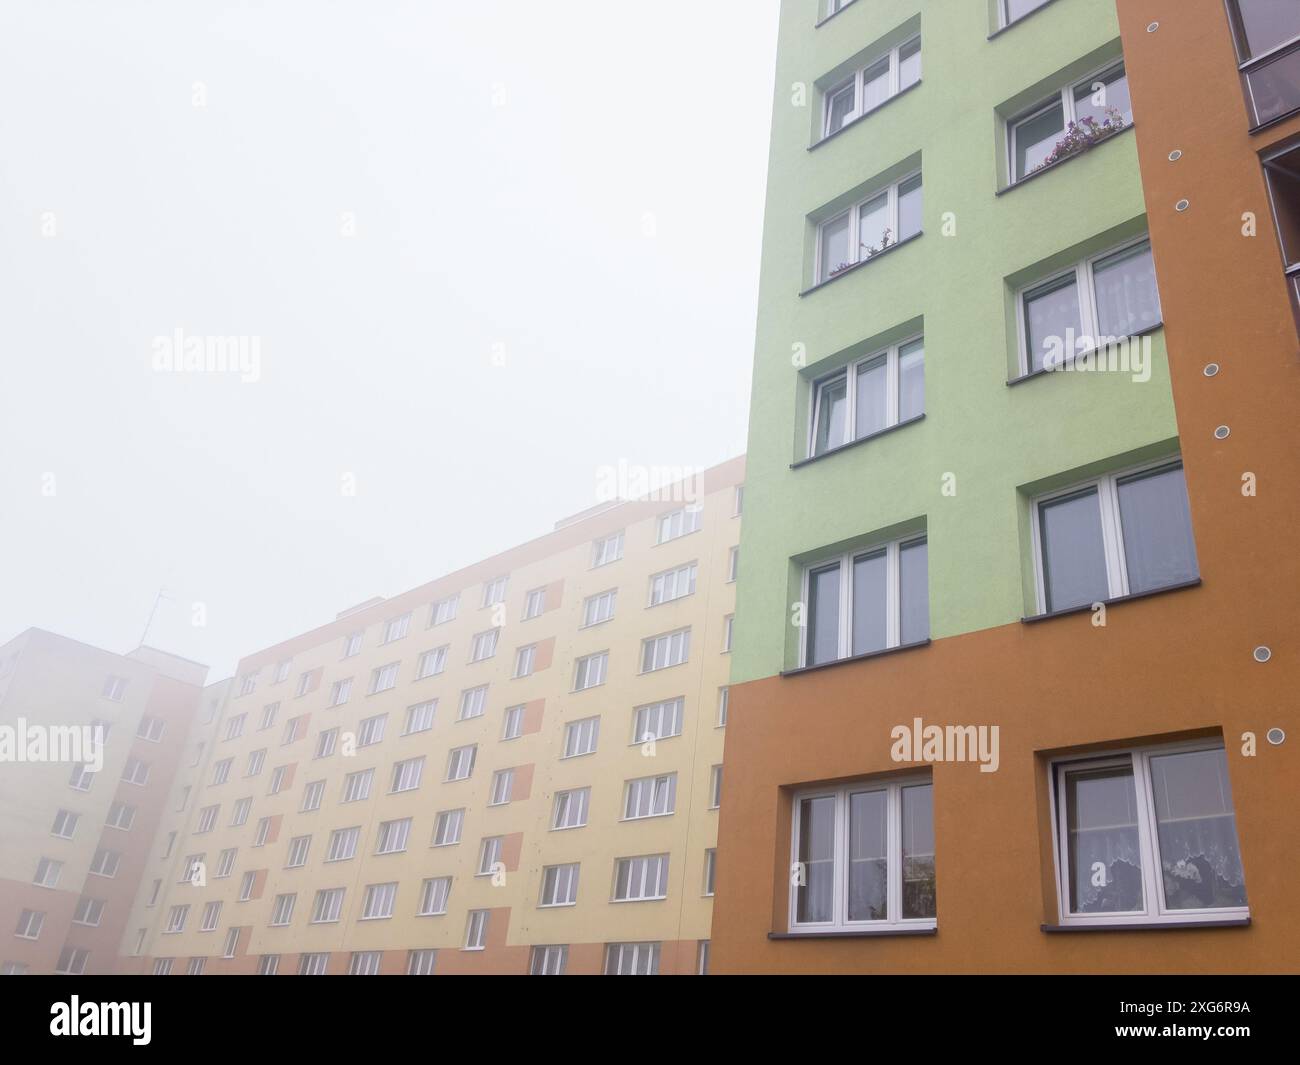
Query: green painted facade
1001	444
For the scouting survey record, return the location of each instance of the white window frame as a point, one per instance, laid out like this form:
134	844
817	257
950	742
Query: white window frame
476	927
606	550
856	81
420	717
393	836
444	610
365	962
616	954
579	729
548	960
269	965
396	628
473	703
894	857
724	703
715	787
678	523
282	908
454	820
512	723
384	678
658	793
651	644
590	671
299	850
849	372
494	591
525	661
483	645
370	730
421	962
352	643
489	855
1112	530
681	581
432	662
435	893
1065	97
407	775
559	885
671	710
340	692
357	786
661	864
1004	13
327	742
853	213
503	783
328	906
263	832
379	902
1153	889
457	759
211	916
571	809
312	796
534	603
593	608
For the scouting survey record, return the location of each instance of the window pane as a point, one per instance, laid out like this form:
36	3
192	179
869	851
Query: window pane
835	246
1157	524
909	65
1267	23
1197	831
872	397
824	615
832	414
918	851
840	106
1074	557
1127	299
914	592
868	866
909	208
1100	96
1275	87
1036	137
873	225
870	609
1020	8
1051	312
875	84
817	856
1105	865
911	380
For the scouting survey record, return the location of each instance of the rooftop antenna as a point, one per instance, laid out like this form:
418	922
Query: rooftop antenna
162	594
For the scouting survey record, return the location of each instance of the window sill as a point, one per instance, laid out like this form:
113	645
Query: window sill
1148	926
859	265
1270	123
854	658
1119	341
864	116
1087	607
864	933
855	443
1051	167
1012	25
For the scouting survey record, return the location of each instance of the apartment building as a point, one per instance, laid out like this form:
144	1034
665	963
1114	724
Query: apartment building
1016	640
78	822
512	769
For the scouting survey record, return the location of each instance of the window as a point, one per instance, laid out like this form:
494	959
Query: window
207	819
672	584
150	728
525	660
105	862
136	772
1147	836
364	962
724	698
211	916
728	629
444	610
866	601
397	628
1268	45
733	564
72	961
312	795
221	771
247	683
658	721
1014	10
513	725
379	901
710	869
226	863
82	777
434	894
503	782
190	870
864	855
298	849
392	836
679	523
432	663
589	671
88	912
460	762
670	649
632	959
263	832
884	218
340	691
352	643
870	86
329	905
308	964
1073	119
580	737
30	923
650	796
715	787
548	961
327	742
560	885
114	688
867	397
384	678
484	645
247	886
640	879
476	930
571	808
17	968
371	730
598	608
231	946
607	550
235	726
421	962
448	827
282	910
702	959
1123	534
279	778
738	506
489	855
494	591
407	774
356	786
282	671
65	824
1088	307
534	603
419	718
473	702
269	713
269	964
307	683
1282	172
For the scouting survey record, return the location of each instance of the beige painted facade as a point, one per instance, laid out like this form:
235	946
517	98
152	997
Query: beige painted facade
302	675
